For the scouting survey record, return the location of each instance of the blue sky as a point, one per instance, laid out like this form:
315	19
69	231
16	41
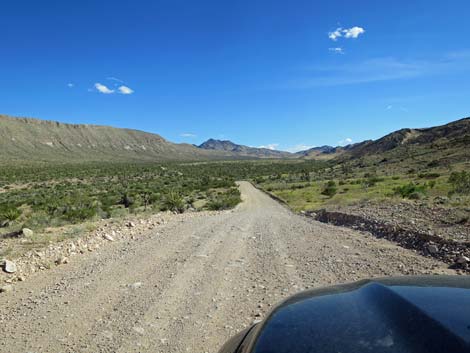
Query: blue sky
284	74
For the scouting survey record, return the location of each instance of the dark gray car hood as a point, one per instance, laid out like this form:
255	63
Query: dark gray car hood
407	314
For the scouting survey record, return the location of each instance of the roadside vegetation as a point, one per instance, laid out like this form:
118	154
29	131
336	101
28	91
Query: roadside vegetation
57	195
333	186
54	195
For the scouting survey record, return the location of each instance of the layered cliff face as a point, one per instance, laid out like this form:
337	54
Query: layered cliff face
38	140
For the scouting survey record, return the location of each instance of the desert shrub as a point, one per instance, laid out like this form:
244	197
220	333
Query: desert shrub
296	186
10	214
80	213
460	182
225	201
329	189
429	175
38	220
433	164
173	202
410	191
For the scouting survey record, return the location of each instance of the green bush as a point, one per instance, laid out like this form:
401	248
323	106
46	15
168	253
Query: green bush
225	201
173	202
410	191
10	214
460	182
329	189
429	175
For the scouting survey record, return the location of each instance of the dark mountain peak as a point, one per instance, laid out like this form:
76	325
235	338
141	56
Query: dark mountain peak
318	151
242	150
219	145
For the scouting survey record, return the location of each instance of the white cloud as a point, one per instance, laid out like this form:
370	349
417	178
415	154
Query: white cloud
299	147
271	146
345	142
103	89
70	85
352	32
335	34
187	134
337	50
125	90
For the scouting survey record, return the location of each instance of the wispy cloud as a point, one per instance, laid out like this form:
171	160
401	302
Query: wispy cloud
125	90
352	32
103	89
345	142
70	85
299	147
389	107
187	134
112	78
106	90
381	69
337	50
270	146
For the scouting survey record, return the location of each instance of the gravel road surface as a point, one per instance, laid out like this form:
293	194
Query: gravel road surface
188	285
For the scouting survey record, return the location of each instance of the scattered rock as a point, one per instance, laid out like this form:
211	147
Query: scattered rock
9	266
130	224
27	232
6	288
108	237
62	260
462	260
135	285
139	330
432	249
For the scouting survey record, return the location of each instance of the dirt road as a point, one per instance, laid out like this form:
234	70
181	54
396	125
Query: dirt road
190	284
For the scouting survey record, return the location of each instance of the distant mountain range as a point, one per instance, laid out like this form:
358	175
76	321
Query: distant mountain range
27	139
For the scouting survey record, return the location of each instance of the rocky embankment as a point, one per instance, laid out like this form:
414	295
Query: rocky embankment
435	232
59	253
